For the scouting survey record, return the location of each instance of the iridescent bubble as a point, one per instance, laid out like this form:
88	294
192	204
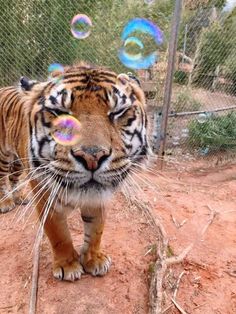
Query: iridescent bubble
81	26
175	140
202	118
146	36
204	151
133	47
149	1
185	133
55	71
66	130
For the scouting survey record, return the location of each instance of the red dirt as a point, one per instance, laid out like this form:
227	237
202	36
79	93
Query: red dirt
185	191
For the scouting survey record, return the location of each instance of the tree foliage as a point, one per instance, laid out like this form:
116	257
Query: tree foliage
196	4
36	33
216	46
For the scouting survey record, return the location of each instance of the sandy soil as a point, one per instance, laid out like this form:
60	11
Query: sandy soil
184	191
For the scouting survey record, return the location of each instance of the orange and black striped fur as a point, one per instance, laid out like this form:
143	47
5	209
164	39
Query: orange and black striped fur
111	110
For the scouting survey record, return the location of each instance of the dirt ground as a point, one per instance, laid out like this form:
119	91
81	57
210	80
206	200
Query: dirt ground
182	193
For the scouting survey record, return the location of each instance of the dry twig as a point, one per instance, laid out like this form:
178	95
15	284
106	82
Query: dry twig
177	284
162	263
178	224
182	311
231	273
34	287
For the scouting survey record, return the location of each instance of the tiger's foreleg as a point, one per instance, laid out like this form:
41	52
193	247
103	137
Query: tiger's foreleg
66	265
6	197
16	171
92	259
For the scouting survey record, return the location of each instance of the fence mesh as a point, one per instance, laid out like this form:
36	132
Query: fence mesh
202	117
203	111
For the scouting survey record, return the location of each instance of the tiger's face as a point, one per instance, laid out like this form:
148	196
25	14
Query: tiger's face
112	138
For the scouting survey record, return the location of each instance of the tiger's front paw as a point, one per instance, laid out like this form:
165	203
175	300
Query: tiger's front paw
6	204
69	271
97	264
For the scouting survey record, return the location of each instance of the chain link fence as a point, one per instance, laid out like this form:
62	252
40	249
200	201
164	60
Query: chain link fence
202	117
203	110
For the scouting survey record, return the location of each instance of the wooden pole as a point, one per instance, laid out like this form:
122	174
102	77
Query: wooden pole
169	77
185	43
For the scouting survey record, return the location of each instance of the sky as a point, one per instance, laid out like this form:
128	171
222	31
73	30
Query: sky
230	5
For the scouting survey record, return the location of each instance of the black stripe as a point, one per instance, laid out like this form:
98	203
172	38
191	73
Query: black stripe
119	159
44	123
104	100
97	80
4	162
136	132
128	146
41	143
132	97
78	75
130	121
62	273
80	87
105	73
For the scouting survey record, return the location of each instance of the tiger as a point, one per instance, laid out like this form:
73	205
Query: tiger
111	109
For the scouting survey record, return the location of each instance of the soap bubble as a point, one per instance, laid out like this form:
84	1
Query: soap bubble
66	130
55	71
185	133
145	36
175	140
133	47
81	26
149	1
202	118
204	151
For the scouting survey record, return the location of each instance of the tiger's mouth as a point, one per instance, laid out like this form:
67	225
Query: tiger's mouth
92	185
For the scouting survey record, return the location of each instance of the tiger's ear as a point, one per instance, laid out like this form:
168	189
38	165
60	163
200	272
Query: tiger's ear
134	78
25	84
123	79
131	83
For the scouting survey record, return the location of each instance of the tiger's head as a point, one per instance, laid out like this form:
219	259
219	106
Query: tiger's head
113	130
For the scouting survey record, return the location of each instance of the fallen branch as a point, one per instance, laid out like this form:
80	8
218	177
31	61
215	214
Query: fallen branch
179	258
177	284
34	287
162	263
166	309
182	311
7	307
231	273
178	224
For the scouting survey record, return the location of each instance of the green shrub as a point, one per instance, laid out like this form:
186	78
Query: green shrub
185	102
181	77
216	133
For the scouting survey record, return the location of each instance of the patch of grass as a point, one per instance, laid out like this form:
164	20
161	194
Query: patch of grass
169	251
152	249
151	268
180	77
185	102
216	133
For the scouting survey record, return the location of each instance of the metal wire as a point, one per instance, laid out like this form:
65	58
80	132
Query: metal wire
34	34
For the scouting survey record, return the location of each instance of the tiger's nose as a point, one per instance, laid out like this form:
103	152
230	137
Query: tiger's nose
91	157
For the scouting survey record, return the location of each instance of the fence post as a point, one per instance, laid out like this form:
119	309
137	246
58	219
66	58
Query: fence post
185	42
169	77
